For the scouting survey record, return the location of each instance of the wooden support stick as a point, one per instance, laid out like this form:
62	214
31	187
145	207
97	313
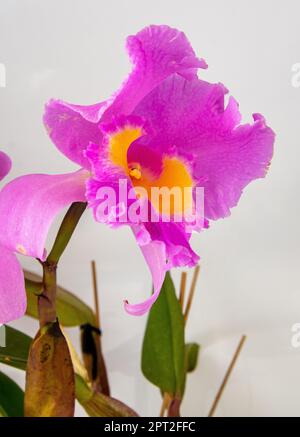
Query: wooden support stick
182	288
191	293
227	376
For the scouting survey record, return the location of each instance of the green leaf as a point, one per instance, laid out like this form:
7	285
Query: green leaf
98	404
71	310
163	354
11	397
2	412
192	353
17	348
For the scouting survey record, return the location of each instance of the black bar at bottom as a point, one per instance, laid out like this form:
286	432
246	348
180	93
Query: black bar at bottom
136	425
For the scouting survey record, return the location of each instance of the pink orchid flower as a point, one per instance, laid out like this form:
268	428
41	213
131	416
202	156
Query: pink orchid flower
12	289
163	127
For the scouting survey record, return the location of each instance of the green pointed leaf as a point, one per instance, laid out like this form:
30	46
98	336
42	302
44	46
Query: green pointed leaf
163	354
11	397
15	353
192	353
2	412
98	404
71	310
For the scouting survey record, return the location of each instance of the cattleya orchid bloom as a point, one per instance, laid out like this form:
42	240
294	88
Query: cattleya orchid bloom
163	128
12	289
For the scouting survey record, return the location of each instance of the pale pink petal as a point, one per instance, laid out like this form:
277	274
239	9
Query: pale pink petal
5	165
72	127
155	255
12	288
29	204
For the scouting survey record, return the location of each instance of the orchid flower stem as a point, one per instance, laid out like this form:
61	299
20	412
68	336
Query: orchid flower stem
47	299
65	231
227	376
191	293
96	294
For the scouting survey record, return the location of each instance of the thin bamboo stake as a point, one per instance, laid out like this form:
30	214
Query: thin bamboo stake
227	376
95	291
182	288
191	293
165	404
102	375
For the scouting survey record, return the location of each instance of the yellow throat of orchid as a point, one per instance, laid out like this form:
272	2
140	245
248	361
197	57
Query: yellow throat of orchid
174	176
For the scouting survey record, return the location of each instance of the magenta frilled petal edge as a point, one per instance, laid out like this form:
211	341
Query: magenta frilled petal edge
163	246
156	52
5	165
32	202
12	288
156	258
107	179
224	156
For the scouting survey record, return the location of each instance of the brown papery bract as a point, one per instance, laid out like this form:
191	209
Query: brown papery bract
50	382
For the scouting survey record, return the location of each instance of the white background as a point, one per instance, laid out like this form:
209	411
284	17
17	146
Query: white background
249	281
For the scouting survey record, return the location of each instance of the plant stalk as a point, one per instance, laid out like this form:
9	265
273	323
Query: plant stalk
227	376
47	299
191	293
66	230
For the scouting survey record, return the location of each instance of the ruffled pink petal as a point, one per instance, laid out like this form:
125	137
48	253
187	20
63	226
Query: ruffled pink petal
107	182
5	165
29	204
106	176
176	240
189	119
156	52
164	246
72	127
155	255
230	165
12	288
